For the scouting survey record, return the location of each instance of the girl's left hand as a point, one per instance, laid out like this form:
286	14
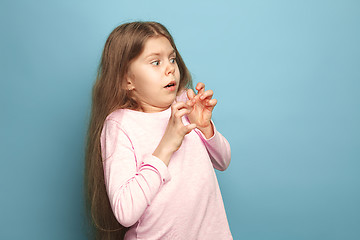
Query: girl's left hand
202	104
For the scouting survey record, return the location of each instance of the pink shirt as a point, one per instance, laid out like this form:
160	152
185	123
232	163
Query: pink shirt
181	201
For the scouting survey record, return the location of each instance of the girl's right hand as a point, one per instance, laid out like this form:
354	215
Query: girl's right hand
174	133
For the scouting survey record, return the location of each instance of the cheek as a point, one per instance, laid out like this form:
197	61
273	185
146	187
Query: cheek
177	73
144	75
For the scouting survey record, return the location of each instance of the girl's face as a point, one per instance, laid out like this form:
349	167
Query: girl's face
154	76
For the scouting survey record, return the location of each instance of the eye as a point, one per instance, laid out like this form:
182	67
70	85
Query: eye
173	60
156	63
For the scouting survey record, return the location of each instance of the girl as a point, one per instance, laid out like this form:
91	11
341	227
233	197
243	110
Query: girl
152	145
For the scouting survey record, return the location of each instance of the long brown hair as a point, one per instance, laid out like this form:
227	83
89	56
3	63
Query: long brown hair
124	44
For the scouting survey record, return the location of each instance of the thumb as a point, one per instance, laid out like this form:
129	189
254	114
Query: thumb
190	127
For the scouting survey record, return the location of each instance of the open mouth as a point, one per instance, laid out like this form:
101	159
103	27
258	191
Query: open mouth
171	84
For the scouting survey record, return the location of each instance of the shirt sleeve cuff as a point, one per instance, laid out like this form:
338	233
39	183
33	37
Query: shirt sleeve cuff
159	166
203	136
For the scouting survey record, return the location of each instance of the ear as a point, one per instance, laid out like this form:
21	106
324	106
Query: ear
129	82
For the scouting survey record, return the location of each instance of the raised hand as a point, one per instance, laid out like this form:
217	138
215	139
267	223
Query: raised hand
202	106
174	133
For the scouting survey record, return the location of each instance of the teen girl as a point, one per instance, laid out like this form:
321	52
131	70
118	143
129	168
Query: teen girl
152	147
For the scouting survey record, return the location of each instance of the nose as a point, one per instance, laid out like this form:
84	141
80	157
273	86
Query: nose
170	68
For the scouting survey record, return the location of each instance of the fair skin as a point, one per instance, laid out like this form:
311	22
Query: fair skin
150	72
153	79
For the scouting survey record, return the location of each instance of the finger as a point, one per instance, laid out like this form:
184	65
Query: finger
211	103
207	94
178	105
190	127
175	108
190	103
200	87
190	94
180	113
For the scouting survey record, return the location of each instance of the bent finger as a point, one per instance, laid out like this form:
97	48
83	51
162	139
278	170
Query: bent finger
190	127
190	103
178	105
190	94
200	87
180	113
211	103
207	94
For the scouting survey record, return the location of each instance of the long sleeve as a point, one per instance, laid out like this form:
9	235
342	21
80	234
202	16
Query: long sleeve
131	183
218	148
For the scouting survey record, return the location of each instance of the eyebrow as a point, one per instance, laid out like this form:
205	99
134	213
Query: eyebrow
158	54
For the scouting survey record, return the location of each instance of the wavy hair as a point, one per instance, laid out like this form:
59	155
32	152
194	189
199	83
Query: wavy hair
124	44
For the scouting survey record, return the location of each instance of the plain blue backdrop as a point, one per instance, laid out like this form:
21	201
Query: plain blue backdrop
287	78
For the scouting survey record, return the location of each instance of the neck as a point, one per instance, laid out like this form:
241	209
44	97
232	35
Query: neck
151	109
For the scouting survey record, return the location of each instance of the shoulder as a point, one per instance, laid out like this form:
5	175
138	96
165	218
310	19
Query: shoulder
123	118
116	123
116	116
127	118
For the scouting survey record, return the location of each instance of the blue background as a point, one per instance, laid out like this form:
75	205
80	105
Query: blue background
287	77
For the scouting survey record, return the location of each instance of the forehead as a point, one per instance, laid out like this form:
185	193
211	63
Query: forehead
157	45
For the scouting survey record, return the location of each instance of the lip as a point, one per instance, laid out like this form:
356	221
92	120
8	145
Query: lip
171	83
171	88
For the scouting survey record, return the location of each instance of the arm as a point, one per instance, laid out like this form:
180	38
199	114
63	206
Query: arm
174	133
218	148
132	186
130	189
202	106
